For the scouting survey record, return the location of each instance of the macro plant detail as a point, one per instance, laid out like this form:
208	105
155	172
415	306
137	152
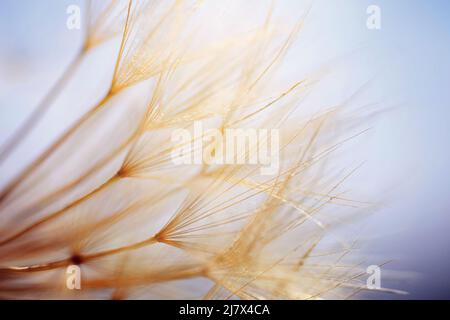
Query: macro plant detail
106	197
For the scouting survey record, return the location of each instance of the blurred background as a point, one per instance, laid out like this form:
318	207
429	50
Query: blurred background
406	153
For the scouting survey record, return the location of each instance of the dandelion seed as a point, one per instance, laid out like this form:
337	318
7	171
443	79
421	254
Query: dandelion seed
105	195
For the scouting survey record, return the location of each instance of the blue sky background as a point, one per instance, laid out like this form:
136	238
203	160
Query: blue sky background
409	147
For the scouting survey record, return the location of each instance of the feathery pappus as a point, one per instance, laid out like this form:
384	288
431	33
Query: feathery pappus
104	198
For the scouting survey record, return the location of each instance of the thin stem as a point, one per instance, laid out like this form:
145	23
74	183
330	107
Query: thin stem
58	213
83	258
36	163
34	118
30	168
83	198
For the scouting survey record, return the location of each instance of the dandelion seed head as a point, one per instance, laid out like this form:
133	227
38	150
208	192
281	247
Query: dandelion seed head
107	197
